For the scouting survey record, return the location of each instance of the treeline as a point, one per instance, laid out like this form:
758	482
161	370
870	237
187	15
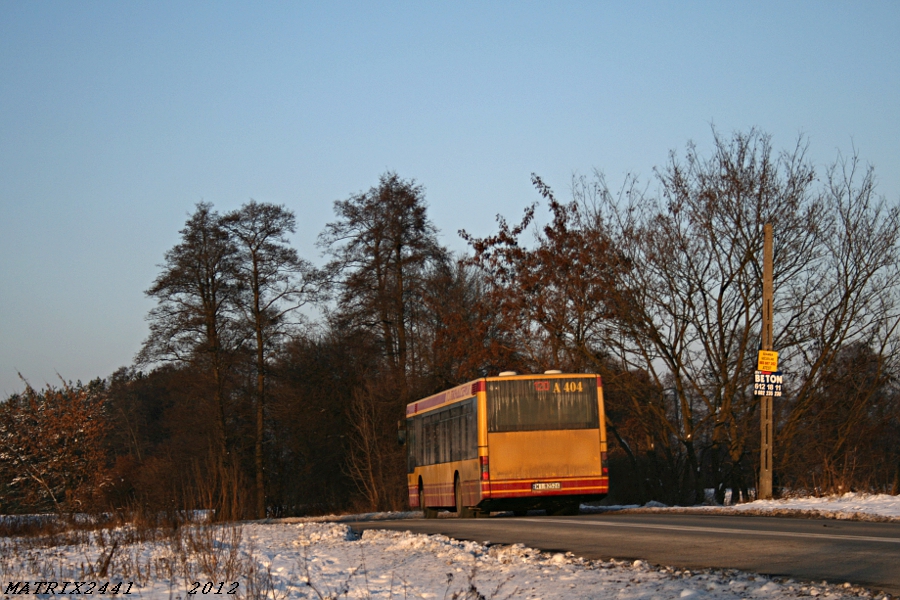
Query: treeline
268	386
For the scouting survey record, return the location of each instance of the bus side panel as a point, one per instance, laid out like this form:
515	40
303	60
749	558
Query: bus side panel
412	484
603	447
482	414
438	483
483	488
469	477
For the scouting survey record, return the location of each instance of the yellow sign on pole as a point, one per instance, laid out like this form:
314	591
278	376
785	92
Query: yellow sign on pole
767	361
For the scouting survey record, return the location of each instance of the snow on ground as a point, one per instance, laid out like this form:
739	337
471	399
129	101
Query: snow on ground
326	560
853	506
849	506
320	558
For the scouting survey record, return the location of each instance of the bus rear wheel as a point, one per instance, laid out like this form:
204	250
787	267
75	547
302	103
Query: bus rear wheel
428	513
461	511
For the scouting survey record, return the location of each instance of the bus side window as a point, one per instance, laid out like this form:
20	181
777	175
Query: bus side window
472	430
429	440
441	441
450	425
435	450
420	442
443	436
456	433
411	450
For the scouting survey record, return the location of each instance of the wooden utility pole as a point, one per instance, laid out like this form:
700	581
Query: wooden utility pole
766	428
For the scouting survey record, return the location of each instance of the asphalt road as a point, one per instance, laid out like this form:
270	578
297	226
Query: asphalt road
862	553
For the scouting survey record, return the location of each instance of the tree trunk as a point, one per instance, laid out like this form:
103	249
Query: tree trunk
260	398
400	307
696	480
219	389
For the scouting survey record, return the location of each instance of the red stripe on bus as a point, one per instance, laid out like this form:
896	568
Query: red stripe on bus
509	489
530	494
562	481
507	493
512	487
424	405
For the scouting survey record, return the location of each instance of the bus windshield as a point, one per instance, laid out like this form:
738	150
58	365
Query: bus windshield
542	404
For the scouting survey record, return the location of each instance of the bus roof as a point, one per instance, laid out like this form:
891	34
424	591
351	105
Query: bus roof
469	389
460	392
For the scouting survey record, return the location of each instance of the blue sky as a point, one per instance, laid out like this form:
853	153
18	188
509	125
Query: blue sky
116	118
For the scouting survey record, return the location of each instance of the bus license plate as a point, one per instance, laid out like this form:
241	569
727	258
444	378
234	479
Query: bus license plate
539	487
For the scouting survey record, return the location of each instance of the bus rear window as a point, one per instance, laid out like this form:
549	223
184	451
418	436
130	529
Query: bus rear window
538	404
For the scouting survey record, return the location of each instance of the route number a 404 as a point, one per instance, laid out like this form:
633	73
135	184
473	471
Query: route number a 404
559	387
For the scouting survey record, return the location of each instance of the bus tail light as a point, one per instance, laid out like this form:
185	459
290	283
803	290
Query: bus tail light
603	464
485	471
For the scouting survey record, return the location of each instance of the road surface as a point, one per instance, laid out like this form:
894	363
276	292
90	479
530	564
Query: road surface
862	553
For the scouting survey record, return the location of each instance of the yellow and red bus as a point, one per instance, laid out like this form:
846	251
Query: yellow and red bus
510	442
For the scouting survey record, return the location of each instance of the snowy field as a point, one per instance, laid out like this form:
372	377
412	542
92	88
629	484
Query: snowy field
318	558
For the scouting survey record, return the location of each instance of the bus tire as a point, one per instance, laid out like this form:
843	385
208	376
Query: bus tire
428	513
461	511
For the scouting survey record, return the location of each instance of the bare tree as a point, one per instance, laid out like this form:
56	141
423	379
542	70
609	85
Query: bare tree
555	294
689	312
848	298
380	246
464	333
847	421
273	282
193	322
669	286
689	292
368	464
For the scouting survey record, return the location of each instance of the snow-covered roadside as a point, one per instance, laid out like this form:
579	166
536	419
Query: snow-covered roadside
321	558
326	560
850	506
386	564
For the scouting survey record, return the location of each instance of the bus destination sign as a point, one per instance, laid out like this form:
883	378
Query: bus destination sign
559	386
